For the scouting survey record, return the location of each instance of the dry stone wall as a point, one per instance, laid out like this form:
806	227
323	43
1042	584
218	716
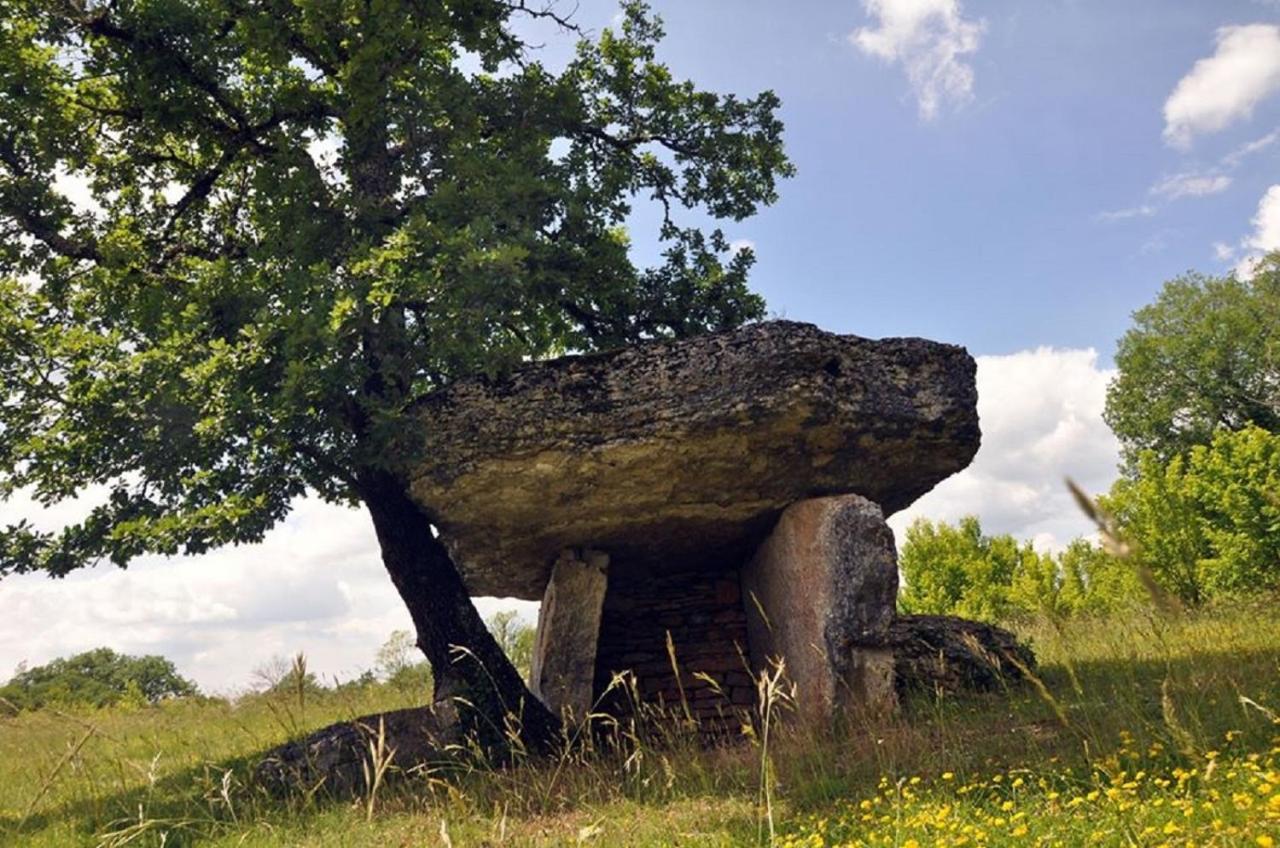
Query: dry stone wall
703	613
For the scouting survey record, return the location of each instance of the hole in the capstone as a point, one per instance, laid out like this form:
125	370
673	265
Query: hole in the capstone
832	367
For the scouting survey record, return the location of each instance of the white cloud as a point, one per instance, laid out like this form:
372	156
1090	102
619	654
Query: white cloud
1247	149
739	245
1041	416
1266	222
1154	244
1266	233
1146	210
1190	184
316	585
929	38
1225	87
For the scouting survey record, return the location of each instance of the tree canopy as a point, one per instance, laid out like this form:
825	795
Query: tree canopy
1206	524
298	217
96	678
1204	355
239	237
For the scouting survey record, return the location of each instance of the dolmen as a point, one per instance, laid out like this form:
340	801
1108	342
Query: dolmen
693	513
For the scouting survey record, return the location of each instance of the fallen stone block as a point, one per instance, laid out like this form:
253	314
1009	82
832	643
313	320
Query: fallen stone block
942	653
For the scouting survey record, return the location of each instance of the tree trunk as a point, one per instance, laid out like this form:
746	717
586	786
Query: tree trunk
477	689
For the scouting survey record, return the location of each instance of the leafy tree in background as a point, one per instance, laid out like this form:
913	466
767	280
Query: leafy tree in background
1204	356
958	570
288	676
301	216
400	664
1208	523
515	637
96	678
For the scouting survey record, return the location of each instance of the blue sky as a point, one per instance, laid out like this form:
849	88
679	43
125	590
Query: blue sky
984	223
1015	177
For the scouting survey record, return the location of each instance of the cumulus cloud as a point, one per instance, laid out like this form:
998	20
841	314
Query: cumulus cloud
1266	223
930	39
1225	87
1264	238
1041	415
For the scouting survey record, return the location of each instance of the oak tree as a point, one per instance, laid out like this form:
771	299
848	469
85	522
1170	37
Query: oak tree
238	238
1203	357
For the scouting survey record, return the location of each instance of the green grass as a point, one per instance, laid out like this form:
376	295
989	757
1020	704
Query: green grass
1142	731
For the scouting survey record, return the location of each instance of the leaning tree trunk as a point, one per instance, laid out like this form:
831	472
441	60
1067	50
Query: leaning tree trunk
477	689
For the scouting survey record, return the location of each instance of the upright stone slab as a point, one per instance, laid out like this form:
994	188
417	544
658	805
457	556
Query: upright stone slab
564	656
820	593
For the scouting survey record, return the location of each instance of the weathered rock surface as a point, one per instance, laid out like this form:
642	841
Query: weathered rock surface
564	652
339	758
665	451
948	654
820	593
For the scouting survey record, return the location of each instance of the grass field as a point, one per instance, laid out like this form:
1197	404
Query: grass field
1140	730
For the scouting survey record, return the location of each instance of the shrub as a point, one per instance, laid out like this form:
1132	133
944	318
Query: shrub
1208	523
959	570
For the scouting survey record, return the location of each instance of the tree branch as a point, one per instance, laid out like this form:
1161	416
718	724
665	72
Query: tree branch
36	224
100	24
629	143
547	12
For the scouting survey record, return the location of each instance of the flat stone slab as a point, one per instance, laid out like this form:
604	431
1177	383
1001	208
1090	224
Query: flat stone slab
671	455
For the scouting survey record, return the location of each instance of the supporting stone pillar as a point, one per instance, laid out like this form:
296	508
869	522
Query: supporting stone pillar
564	655
820	594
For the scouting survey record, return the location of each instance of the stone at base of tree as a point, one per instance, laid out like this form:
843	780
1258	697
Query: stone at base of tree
948	654
339	759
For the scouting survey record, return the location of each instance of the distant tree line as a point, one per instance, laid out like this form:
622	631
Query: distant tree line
1196	406
97	678
103	678
960	570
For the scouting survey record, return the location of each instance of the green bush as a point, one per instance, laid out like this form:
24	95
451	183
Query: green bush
1206	524
959	570
96	678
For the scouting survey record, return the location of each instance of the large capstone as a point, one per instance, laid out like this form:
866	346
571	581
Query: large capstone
677	456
